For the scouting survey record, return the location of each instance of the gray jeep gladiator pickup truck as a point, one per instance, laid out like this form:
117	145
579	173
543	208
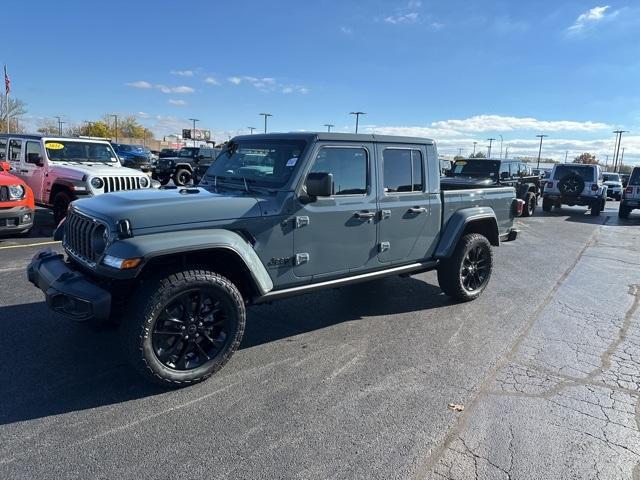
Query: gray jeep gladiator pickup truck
276	215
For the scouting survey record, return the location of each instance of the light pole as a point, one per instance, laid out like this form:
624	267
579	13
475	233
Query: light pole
116	125
616	150
501	140
490	143
506	152
474	148
59	125
540	149
619	167
566	155
251	129
357	114
266	115
329	125
460	151
193	134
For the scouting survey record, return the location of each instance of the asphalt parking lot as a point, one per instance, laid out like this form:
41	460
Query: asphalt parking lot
355	382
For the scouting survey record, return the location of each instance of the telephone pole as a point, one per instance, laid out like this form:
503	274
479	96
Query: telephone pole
193	134
329	125
616	150
357	114
251	129
540	149
474	147
501	140
490	143
266	115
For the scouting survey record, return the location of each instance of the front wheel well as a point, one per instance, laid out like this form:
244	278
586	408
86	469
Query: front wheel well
223	261
487	227
56	189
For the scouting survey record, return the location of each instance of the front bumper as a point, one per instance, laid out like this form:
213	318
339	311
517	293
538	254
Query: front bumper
68	292
16	219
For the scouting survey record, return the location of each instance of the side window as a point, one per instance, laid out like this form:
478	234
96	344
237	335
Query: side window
504	171
348	166
3	149
15	150
402	170
33	147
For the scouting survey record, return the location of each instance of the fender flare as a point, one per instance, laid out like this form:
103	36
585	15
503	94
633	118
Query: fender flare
149	247
455	226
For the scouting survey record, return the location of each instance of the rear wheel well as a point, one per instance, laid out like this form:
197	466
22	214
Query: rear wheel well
219	260
487	227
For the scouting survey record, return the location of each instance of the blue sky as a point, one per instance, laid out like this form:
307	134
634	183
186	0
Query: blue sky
456	71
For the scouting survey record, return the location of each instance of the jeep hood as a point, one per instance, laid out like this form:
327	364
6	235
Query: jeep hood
461	182
151	208
76	171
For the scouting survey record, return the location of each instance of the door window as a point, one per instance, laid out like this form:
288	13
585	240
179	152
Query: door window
15	150
402	170
504	171
349	167
33	147
3	149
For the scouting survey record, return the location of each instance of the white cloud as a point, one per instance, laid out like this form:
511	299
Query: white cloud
346	30
287	90
414	4
139	84
268	84
590	17
406	18
177	103
211	81
488	123
180	89
182	73
235	80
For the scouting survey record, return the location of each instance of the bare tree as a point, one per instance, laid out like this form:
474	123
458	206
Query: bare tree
11	108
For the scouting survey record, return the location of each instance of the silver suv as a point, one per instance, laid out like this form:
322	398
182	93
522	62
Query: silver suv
631	196
575	184
60	169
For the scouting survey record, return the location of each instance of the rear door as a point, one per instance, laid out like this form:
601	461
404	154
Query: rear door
403	202
15	154
337	234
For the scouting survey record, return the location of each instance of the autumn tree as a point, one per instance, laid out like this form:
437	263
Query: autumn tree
586	158
11	108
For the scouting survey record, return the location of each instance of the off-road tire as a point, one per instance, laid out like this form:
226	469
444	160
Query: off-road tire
163	180
596	209
449	270
624	211
530	204
571	184
60	206
136	330
182	177
547	204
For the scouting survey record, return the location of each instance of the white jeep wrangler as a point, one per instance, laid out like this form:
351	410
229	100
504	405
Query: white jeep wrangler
575	184
62	169
631	195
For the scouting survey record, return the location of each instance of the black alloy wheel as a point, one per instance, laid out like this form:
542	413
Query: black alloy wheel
182	177
475	268
191	330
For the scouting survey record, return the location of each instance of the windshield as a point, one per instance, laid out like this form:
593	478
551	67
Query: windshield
611	177
585	172
72	151
475	168
125	148
188	152
265	163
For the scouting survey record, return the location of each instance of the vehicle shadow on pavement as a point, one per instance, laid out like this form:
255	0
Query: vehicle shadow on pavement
295	316
52	366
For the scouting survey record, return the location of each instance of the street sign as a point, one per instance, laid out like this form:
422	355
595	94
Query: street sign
186	133
197	134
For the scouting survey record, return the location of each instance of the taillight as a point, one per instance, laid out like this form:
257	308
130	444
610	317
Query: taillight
594	187
549	184
518	206
628	190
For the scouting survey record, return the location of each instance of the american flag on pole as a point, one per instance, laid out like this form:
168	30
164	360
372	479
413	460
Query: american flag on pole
7	82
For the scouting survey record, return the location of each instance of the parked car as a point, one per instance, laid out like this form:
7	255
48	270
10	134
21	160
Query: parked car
134	156
631	196
60	170
575	184
17	207
189	164
276	215
614	185
483	173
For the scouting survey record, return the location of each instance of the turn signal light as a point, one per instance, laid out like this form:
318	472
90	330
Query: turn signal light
628	190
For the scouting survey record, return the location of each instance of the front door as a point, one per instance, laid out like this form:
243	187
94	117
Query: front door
404	203
32	173
337	234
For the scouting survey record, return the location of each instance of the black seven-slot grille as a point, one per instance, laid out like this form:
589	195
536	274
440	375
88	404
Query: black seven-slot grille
114	184
78	231
4	194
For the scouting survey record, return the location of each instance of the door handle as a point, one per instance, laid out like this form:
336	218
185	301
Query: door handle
364	215
24	171
417	210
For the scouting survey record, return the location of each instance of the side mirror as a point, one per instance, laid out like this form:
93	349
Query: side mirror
6	166
319	184
35	158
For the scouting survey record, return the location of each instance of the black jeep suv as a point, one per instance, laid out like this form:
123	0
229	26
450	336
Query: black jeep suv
189	164
483	173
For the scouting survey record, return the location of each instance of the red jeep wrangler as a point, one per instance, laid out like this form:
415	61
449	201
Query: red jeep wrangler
17	205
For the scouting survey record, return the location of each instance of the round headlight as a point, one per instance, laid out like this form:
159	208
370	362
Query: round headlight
16	192
96	182
144	182
99	239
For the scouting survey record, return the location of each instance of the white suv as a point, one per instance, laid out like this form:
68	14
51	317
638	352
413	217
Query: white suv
575	184
60	169
631	196
614	184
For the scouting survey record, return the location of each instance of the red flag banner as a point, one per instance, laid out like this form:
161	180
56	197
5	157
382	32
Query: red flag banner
7	82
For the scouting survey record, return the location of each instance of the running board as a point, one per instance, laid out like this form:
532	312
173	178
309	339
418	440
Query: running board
405	270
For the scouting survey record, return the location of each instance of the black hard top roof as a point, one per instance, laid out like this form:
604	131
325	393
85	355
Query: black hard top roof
335	137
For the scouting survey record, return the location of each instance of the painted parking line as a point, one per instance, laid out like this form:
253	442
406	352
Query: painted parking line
30	245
